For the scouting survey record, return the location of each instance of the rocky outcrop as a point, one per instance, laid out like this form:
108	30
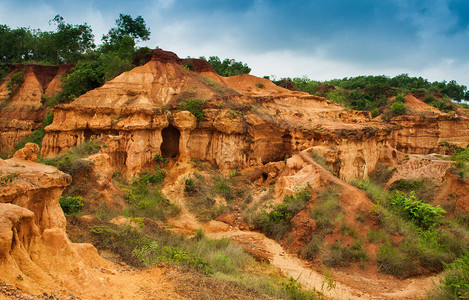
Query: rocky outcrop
422	135
248	121
35	251
23	112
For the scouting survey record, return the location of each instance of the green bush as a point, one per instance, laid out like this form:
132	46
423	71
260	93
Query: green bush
393	261
398	108
160	159
145	199
260	85
400	98
151	254
72	161
276	223
71	205
223	188
327	207
422	214
461	157
194	106
8	178
15	82
455	283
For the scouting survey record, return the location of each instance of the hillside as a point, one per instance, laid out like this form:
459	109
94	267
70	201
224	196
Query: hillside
293	179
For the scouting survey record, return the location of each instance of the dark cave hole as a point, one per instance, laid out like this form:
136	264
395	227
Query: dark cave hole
170	144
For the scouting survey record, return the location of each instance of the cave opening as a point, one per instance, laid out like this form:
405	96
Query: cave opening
170	145
87	133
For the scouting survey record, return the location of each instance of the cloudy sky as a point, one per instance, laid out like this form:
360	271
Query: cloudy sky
317	38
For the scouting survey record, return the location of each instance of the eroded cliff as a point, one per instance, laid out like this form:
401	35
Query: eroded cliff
22	111
248	121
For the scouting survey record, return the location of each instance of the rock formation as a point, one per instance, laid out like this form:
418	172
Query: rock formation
248	121
23	112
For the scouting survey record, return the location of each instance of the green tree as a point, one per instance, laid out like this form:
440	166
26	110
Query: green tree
71	41
127	26
228	67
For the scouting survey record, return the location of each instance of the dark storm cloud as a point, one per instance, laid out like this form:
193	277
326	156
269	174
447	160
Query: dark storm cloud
422	37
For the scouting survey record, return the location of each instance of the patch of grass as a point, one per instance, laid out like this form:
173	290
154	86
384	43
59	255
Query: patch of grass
223	188
317	157
194	106
423	189
339	255
160	159
378	236
220	90
312	248
8	178
393	261
72	161
145	199
276	223
37	135
71	204
327	207
461	157
200	191
15	82
455	283
381	174
376	193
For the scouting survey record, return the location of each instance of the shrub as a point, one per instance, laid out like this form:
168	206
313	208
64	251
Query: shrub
72	161
461	157
71	205
145	199
398	108
5	179
312	248
276	223
160	159
422	214
455	283
223	188
327	207
15	82
392	261
200	191
260	85
400	98
151	253
194	106
376	193
189	186
188	66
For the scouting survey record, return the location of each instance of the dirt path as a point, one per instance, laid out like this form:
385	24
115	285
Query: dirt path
350	286
292	266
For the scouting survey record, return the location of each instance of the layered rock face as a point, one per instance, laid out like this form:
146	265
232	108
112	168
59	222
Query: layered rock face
35	252
23	112
248	121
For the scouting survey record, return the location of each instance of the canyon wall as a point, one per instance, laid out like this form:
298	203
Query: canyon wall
23	112
248	121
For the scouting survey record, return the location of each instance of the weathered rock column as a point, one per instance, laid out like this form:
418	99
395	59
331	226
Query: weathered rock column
185	122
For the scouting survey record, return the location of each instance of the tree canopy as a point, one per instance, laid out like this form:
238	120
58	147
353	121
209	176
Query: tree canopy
228	67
